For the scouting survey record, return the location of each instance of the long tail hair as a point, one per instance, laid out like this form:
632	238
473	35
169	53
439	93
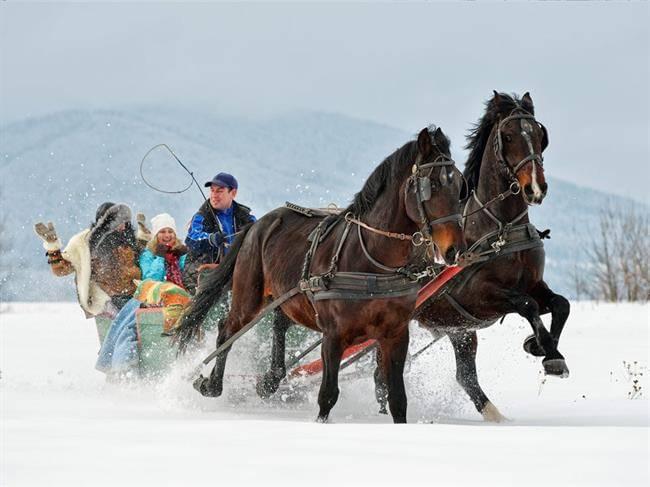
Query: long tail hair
212	287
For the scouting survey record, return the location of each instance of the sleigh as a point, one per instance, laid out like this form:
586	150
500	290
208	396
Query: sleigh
155	349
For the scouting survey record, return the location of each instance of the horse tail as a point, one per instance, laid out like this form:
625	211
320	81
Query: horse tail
212	287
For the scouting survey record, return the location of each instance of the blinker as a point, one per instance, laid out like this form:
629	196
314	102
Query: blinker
424	188
444	177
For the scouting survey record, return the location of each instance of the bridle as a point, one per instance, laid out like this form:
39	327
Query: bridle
522	115
423	185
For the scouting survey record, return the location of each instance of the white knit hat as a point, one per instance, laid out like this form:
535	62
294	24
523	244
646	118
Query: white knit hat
164	220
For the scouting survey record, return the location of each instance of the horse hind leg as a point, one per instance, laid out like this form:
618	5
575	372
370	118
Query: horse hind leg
559	308
465	345
381	387
268	384
246	303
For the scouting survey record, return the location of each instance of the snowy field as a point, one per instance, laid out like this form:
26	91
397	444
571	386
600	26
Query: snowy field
63	424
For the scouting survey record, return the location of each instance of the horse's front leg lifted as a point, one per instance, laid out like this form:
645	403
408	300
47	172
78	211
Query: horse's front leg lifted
553	362
558	306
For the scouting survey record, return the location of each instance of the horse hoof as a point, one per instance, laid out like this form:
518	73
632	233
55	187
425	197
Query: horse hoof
399	419
556	367
321	419
382	410
202	384
491	414
266	386
532	347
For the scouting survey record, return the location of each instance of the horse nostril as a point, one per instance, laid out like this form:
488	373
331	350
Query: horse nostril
544	188
528	191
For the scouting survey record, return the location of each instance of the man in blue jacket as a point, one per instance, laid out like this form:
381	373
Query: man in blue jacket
213	227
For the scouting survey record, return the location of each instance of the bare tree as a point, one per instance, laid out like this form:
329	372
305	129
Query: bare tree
579	282
618	257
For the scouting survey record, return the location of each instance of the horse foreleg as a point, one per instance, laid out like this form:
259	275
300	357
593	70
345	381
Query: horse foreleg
553	362
465	344
381	388
558	306
331	353
268	384
393	358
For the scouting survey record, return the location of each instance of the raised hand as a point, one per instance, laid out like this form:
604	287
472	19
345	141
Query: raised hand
141	219
47	233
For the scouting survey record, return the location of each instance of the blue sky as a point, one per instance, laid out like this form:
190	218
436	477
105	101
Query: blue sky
405	65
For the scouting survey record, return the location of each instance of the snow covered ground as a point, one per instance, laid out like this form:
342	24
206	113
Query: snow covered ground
62	424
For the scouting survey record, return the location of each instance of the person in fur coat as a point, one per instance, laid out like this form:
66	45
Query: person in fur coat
164	257
103	258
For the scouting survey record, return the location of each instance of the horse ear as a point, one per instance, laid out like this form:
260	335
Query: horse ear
439	137
424	142
496	98
527	101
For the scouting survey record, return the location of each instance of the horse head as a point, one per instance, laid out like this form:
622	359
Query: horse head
432	196
519	141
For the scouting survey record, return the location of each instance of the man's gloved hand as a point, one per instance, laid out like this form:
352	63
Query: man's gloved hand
216	239
47	233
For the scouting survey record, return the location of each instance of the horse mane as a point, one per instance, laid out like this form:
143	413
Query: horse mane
391	169
480	133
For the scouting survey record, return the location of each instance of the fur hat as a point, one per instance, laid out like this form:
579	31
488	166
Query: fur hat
164	220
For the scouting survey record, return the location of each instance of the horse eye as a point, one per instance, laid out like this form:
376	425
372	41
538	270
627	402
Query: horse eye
508	138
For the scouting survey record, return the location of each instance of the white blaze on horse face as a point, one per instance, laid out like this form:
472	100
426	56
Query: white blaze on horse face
537	191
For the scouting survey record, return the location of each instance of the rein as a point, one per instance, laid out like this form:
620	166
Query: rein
513	189
399	236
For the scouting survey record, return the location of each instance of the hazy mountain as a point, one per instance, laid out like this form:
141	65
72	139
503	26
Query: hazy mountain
61	167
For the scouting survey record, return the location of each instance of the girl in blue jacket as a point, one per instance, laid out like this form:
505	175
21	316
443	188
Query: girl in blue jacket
164	257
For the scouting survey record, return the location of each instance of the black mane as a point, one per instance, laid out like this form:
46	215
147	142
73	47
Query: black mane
478	136
393	168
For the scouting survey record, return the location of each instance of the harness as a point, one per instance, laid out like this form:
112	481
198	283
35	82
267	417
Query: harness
400	282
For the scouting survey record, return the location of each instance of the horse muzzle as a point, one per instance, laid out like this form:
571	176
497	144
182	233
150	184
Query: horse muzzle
534	194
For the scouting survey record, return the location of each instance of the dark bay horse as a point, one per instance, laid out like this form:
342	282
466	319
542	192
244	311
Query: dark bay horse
413	193
505	159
